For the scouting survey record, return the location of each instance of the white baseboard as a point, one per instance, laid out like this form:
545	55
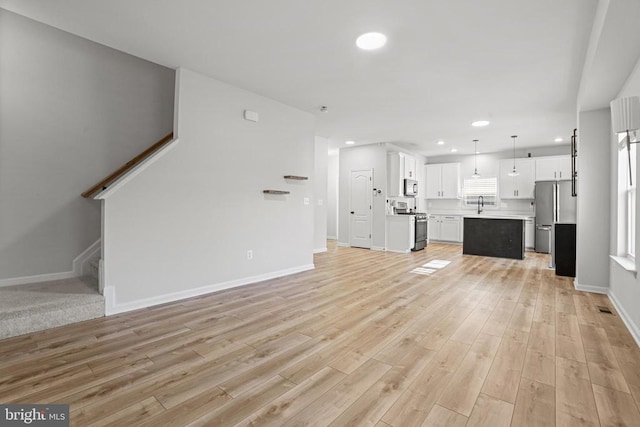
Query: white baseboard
332	238
319	250
626	319
112	307
398	251
590	288
631	326
378	248
343	244
81	262
25	280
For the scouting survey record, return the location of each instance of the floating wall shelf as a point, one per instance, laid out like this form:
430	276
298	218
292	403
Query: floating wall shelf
299	178
275	192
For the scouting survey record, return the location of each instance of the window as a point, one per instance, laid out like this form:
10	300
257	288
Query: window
626	199
487	187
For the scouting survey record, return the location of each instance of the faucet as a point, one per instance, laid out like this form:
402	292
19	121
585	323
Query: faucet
480	204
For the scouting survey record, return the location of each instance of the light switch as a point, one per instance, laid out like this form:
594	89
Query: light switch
306	200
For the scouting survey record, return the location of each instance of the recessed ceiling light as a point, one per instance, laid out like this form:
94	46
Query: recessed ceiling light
454	150
477	152
558	139
440	142
349	142
371	41
480	123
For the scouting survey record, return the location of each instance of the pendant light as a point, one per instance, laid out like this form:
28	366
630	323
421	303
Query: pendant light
514	172
475	175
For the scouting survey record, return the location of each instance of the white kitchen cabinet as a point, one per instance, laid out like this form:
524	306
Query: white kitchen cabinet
443	181
529	233
445	228
400	233
520	186
400	166
410	167
553	168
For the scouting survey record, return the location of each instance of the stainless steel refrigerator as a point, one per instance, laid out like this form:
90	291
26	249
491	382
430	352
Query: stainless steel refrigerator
554	204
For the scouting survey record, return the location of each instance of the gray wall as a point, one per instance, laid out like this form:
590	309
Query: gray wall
183	226
333	164
624	286
594	199
320	181
71	112
359	158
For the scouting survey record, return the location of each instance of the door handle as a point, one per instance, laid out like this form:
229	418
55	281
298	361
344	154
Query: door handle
352	212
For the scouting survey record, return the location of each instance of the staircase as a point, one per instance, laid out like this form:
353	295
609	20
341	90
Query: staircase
38	306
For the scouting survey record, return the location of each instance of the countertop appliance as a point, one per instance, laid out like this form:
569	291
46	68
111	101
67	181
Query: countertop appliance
410	188
554	205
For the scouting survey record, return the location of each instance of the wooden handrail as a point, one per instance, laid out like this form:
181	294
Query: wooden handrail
102	185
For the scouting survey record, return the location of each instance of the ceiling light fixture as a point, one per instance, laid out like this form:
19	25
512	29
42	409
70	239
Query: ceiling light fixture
440	142
480	123
558	139
371	41
514	172
475	175
349	142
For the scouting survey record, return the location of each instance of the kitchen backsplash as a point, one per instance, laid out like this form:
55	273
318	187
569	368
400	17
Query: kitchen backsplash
519	206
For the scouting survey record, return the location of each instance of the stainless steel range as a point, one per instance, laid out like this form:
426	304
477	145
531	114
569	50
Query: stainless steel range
420	239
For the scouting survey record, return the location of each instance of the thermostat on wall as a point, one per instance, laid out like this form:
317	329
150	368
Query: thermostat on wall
251	115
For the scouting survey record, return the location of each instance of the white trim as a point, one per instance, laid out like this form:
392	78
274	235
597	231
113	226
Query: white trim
626	263
346	245
319	250
631	326
590	288
112	307
332	238
378	248
85	257
133	172
25	280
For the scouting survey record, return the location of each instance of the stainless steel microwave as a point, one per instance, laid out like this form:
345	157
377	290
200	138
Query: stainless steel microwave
410	188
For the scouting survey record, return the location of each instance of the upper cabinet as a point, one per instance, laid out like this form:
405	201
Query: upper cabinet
520	186
553	168
409	167
400	166
443	181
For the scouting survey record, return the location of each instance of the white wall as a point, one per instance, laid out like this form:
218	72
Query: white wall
320	182
184	225
333	165
71	112
624	286
594	199
359	158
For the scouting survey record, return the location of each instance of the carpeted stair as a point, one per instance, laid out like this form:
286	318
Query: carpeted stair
39	306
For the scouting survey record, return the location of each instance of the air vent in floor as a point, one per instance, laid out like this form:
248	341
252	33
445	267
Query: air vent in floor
602	309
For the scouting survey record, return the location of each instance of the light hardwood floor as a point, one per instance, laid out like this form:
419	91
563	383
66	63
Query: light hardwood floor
361	340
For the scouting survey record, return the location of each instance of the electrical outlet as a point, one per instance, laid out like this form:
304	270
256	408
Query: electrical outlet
249	254
306	200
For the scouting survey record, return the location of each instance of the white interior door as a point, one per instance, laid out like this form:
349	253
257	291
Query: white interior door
360	201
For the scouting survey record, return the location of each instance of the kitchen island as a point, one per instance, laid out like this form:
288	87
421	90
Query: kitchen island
494	236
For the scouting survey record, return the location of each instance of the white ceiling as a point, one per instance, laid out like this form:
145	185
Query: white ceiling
517	63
